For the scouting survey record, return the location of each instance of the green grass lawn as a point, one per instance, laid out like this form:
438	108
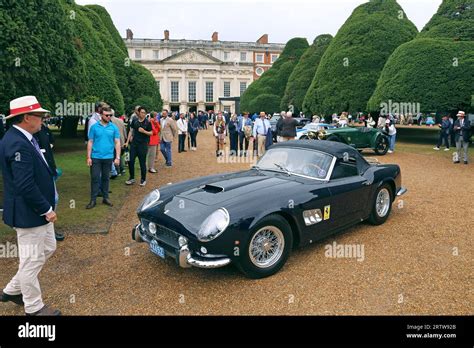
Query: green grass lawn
74	193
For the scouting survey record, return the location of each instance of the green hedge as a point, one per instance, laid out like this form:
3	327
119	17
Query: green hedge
43	46
303	74
274	80
453	20
67	52
348	72
436	69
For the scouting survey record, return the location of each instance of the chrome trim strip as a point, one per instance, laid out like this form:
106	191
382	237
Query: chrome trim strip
401	191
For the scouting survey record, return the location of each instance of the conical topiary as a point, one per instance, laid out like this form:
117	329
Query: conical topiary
349	70
274	80
303	74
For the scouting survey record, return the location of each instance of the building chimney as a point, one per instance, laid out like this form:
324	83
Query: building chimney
263	39
215	36
129	34
167	34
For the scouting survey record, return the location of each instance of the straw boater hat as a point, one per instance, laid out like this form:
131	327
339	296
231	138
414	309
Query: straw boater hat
461	113
25	105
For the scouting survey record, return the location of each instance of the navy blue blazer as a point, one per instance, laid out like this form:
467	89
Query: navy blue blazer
27	180
466	130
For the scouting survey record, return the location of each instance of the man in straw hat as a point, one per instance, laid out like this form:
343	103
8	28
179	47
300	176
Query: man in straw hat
29	200
462	129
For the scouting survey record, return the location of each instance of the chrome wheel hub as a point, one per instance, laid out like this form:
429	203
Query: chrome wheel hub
266	247
382	204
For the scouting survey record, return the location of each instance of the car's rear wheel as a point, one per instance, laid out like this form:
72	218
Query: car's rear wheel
304	137
381	146
382	205
267	247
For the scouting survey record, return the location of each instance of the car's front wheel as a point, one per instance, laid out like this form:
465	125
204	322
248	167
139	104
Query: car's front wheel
381	146
267	247
382	205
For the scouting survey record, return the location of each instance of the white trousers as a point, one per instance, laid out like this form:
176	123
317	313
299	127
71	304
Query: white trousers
35	246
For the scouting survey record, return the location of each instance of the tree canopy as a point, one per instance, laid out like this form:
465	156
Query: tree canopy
303	74
274	80
349	69
436	69
73	53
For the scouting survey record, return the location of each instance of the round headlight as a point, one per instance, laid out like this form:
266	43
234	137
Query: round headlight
152	227
214	225
150	200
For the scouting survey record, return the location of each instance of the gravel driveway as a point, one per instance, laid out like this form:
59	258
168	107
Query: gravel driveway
419	262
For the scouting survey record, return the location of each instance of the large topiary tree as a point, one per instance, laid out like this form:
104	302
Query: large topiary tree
135	82
436	70
37	53
303	74
349	70
274	80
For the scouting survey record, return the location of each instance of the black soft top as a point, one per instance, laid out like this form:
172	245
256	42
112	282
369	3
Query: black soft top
339	150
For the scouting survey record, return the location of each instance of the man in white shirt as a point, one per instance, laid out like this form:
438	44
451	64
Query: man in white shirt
182	132
260	130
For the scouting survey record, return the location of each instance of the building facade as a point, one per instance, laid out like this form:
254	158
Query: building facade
197	75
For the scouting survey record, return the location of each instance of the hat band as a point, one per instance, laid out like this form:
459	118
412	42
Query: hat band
25	109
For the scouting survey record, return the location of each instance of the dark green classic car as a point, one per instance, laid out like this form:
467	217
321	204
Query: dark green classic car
358	137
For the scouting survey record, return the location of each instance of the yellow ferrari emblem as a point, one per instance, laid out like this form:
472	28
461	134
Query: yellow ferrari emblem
327	212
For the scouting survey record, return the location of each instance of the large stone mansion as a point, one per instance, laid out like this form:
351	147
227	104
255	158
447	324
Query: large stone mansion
203	74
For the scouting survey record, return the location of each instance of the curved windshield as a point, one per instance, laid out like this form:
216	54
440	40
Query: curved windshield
297	161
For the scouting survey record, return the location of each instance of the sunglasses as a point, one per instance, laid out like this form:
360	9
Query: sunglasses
108	115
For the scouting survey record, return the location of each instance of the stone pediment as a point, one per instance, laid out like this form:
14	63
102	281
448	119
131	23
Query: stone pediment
192	56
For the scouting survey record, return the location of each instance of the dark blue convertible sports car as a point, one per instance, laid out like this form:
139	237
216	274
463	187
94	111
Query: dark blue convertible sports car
298	193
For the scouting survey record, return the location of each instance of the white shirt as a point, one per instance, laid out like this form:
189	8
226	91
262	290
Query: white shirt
93	120
29	136
182	126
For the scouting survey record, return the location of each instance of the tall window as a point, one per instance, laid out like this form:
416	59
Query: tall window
243	56
226	89
259	58
174	91
156	54
192	91
274	58
209	92
226	55
243	87
138	54
158	84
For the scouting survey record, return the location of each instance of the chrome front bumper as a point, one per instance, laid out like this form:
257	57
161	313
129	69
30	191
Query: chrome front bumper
401	191
184	257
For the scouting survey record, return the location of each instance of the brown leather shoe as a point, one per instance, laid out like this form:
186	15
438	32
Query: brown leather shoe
18	299
45	312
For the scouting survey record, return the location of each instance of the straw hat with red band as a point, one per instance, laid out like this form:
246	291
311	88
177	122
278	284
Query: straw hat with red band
25	105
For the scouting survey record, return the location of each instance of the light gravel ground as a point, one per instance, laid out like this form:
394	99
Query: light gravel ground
410	264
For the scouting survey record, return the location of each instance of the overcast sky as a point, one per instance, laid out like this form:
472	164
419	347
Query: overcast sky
243	20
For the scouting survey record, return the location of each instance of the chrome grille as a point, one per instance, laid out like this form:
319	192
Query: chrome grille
163	234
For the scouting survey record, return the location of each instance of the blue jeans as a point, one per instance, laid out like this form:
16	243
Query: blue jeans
391	139
165	148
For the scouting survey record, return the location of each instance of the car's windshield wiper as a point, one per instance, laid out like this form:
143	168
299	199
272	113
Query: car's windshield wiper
283	168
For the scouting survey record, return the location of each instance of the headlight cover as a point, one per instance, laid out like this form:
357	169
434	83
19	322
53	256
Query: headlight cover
150	200
214	225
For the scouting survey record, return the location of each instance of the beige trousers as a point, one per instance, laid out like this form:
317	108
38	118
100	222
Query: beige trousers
261	144
151	156
35	246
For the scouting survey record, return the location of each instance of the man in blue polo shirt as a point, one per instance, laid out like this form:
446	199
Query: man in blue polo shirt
104	137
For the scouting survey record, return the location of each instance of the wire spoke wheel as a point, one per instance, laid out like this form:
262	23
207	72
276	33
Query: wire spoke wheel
266	247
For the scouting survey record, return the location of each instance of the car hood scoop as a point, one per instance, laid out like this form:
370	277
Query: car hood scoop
226	188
